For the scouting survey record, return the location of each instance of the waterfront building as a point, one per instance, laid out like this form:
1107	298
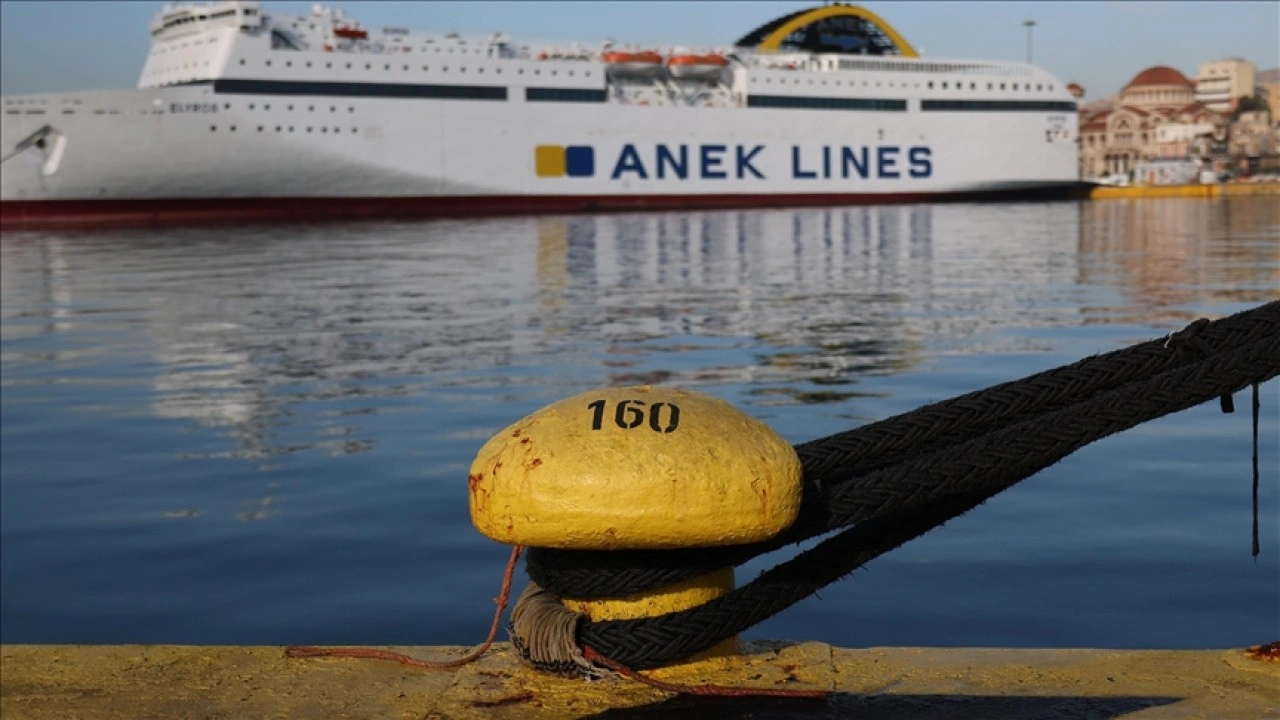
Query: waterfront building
1155	116
1268	86
1222	83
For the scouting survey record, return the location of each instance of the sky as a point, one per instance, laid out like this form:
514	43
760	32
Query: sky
59	46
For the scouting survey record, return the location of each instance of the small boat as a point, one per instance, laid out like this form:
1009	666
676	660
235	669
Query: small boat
696	67
350	32
633	64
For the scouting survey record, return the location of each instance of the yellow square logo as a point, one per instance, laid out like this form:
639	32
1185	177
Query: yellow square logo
548	160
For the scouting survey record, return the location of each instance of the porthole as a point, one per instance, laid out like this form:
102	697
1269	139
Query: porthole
333	108
232	128
324	130
311	108
308	63
213	128
290	108
250	106
277	128
355	130
266	107
406	68
944	86
328	65
259	128
308	128
288	63
930	85
348	66
241	61
387	66
351	108
1015	86
290	128
226	106
367	66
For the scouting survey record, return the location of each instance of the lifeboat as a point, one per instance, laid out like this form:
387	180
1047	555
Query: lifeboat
351	33
629	64
696	67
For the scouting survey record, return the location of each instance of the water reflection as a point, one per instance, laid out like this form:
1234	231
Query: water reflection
234	328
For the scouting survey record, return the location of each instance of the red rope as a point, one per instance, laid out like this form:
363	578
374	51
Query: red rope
306	651
591	654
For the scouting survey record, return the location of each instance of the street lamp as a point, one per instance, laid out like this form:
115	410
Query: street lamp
1028	24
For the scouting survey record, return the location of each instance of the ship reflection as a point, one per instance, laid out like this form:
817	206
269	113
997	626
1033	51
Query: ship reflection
289	338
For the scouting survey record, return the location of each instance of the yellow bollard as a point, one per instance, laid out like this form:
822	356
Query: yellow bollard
637	468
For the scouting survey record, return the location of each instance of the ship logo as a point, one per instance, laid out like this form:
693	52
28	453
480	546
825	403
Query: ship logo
553	161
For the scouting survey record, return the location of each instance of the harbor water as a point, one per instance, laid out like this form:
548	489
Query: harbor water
261	434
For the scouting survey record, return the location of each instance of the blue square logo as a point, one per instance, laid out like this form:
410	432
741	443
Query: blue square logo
579	161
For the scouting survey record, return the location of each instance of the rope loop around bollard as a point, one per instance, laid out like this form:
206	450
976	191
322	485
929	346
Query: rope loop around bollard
889	482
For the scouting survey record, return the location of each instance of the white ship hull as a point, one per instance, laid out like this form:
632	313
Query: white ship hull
273	145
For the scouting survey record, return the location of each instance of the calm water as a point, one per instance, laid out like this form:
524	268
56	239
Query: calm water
262	435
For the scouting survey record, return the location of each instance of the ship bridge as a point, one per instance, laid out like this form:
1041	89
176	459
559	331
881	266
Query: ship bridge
839	29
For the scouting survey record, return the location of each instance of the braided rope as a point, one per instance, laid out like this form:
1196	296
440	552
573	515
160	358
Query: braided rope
836	467
982	444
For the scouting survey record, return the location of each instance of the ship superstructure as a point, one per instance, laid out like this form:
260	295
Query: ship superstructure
244	114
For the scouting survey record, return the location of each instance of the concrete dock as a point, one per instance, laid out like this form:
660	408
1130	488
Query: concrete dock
168	682
1131	192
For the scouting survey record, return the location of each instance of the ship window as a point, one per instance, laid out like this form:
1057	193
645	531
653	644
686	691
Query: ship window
973	86
944	86
290	108
232	128
259	128
250	106
268	63
241	61
930	85
1039	87
277	128
387	66
324	130
1001	86
367	66
1015	86
308	128
998	105
354	130
266	107
328	65
406	68
213	128
226	106
288	63
563	95
308	63
824	103
333	108
988	86
290	128
424	68
348	66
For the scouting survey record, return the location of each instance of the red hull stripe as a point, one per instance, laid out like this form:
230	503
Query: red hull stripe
19	214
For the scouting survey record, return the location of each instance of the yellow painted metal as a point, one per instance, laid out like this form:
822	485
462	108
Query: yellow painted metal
673	598
1200	191
635	467
773	41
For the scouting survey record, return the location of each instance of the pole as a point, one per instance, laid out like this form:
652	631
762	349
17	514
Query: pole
1028	24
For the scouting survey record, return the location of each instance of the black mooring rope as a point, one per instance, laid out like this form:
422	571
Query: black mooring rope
891	502
837	467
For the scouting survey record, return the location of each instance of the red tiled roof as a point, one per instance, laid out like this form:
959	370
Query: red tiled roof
1159	75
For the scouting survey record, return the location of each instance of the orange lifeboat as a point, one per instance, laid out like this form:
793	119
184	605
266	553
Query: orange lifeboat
351	33
696	67
633	64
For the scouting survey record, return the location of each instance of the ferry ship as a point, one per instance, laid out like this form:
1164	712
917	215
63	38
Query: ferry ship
246	115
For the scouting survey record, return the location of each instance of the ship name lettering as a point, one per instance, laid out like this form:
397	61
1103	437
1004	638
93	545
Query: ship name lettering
713	162
846	162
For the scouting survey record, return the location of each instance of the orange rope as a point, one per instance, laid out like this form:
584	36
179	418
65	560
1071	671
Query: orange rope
305	651
594	656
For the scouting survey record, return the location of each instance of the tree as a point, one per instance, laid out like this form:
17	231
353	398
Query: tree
1249	103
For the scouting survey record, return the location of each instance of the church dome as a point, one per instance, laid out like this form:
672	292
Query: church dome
1159	75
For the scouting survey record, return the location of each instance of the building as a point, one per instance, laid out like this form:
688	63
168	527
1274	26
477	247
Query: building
1156	116
1222	83
1268	86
